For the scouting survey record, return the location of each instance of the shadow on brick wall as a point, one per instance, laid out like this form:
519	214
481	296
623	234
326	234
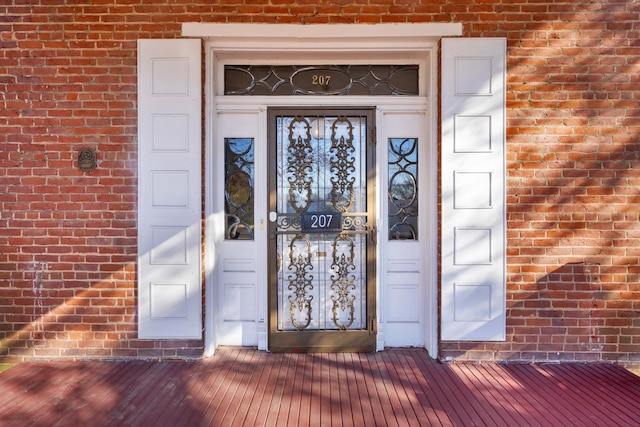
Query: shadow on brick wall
583	316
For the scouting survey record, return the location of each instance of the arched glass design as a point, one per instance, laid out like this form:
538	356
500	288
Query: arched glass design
291	80
403	188
238	188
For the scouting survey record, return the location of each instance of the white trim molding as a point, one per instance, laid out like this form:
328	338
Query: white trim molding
320	37
275	44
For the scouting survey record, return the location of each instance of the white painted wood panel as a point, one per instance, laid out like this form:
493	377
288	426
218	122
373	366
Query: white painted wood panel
473	189
404	284
237	261
169	189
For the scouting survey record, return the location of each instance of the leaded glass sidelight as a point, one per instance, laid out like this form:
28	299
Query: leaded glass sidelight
239	188
403	188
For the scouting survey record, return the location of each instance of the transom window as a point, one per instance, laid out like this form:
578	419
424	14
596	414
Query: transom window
287	80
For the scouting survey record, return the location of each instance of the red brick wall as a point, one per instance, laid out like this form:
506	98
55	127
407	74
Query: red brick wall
68	239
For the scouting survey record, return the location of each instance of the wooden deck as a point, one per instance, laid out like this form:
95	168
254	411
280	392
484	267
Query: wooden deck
244	387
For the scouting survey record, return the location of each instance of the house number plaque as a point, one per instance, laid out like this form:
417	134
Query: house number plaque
321	222
319	81
87	160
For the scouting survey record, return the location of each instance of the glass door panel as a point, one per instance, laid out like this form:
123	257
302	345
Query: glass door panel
322	224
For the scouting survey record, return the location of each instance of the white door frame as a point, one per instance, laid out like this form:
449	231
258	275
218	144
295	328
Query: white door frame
321	44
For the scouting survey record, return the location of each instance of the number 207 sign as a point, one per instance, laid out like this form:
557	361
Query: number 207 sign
321	222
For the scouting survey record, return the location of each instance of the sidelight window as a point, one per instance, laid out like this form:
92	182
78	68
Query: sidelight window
239	188
403	188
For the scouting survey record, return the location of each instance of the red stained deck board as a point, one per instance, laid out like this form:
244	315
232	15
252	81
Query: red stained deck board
20	386
336	395
523	406
538	390
402	390
419	401
247	411
229	402
371	409
244	387
166	390
554	396
270	409
373	387
208	379
181	407
278	409
489	390
259	411
482	412
105	384
304	416
217	388
582	383
359	402
245	399
293	392
431	400
614	385
380	379
297	390
47	402
226	400
323	417
459	401
427	374
314	388
138	404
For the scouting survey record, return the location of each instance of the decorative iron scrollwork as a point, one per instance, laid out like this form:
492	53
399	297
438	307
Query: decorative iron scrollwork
354	223
343	282
342	164
300	282
289	223
300	164
320	168
403	188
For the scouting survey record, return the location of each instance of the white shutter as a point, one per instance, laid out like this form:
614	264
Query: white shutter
473	189
169	189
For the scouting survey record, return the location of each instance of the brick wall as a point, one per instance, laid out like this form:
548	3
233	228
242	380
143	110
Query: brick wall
67	238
